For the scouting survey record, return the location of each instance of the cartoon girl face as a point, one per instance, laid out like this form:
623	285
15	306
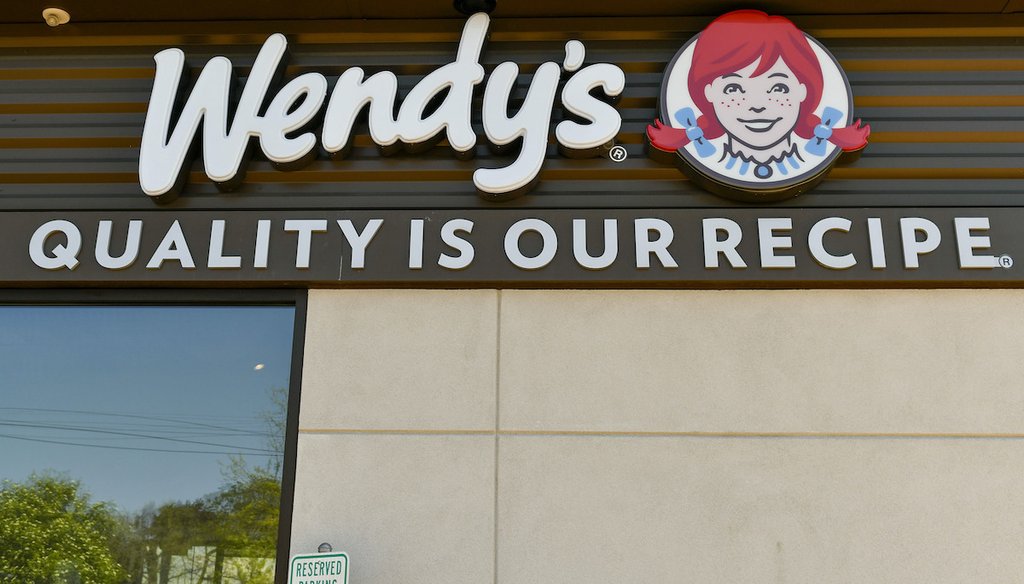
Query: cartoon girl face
755	109
759	111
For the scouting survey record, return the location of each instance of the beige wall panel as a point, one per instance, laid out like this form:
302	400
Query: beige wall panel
885	361
594	510
408	359
407	509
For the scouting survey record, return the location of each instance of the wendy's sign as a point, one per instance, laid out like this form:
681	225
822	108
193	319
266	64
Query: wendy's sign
438	106
755	110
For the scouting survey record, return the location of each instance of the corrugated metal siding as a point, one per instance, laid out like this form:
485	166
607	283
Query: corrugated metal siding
946	107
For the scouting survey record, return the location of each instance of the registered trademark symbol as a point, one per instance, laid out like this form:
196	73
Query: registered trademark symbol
1005	261
617	153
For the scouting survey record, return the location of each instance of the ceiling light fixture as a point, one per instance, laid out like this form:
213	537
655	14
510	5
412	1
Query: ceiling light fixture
56	16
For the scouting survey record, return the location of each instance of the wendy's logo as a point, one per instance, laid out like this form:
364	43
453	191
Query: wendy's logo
755	109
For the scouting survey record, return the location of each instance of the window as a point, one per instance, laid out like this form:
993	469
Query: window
143	444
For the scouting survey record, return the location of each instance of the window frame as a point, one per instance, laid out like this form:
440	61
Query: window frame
296	298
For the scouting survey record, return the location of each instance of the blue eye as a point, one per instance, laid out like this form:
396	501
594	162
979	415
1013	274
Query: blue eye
779	88
733	88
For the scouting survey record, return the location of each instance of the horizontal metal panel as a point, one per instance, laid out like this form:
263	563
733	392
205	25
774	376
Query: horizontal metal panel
945	103
118	11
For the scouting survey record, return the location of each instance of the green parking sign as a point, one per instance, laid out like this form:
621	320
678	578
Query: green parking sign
318	569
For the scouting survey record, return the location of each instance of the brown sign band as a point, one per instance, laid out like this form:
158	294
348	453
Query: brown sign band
733	248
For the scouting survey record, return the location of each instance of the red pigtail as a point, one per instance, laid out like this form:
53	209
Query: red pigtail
666	138
852	137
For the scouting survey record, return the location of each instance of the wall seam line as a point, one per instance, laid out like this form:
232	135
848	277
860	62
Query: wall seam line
497	424
667	434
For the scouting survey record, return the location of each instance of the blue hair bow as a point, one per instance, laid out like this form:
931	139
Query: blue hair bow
688	119
823	131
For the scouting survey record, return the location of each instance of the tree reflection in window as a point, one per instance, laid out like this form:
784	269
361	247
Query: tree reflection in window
218	418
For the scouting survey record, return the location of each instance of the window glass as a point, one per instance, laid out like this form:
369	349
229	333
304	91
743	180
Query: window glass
141	444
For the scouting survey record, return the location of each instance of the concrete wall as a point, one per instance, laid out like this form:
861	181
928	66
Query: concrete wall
664	436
